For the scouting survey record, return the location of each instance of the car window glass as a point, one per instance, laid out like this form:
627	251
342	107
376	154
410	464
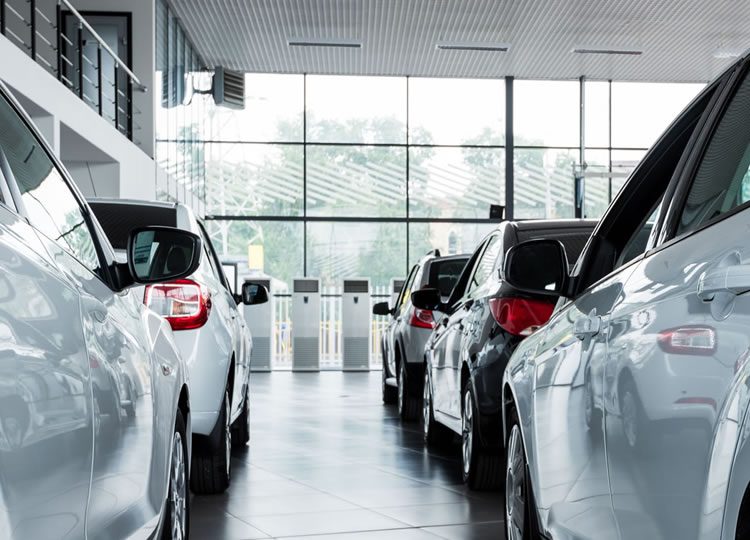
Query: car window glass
213	258
486	263
444	274
406	291
49	202
722	182
639	241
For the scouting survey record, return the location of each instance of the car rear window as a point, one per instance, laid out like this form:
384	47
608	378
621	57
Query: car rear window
574	241
445	273
118	220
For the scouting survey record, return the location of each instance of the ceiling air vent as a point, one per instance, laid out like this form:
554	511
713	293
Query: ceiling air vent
229	88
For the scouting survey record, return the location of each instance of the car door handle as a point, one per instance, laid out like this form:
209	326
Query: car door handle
587	326
733	279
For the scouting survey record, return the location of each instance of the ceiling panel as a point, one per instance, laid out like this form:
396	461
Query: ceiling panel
681	40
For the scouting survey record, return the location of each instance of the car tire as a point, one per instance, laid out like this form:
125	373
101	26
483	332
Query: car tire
211	469
520	515
408	405
435	433
176	522
390	394
241	426
482	468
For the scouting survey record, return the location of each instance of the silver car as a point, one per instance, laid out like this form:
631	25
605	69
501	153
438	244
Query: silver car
626	415
404	340
94	397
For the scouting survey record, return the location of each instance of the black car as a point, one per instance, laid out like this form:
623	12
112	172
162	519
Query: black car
466	354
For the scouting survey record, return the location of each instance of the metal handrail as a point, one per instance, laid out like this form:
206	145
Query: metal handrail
137	82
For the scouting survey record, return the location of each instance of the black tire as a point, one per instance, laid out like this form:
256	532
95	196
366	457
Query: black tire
482	467
435	433
525	505
408	405
241	426
211	468
175	487
390	394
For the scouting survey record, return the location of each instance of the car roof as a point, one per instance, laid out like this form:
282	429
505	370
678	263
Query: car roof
133	202
551	224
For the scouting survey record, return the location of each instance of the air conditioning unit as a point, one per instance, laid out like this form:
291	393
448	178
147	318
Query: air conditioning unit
355	325
259	319
306	324
395	287
229	88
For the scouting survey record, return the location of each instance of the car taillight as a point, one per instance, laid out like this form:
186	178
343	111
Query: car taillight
694	340
184	303
520	316
422	318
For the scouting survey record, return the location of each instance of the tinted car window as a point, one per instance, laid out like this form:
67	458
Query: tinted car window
722	182
49	202
445	273
406	290
574	242
118	220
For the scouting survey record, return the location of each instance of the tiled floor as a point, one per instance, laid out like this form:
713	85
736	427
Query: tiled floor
328	461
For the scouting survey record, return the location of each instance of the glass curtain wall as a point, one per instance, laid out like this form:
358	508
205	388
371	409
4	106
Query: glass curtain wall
182	113
347	176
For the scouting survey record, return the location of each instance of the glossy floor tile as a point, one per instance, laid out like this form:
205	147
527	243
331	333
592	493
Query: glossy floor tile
328	461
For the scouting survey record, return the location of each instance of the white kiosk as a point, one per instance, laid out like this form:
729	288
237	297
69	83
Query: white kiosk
306	324
259	319
356	321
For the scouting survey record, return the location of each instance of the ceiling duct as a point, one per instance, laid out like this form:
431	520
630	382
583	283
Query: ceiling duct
229	88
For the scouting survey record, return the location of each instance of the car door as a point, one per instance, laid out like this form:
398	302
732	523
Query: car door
127	481
676	369
225	304
46	418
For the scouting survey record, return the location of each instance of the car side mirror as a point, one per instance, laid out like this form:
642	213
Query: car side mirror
538	267
428	299
160	254
254	294
381	308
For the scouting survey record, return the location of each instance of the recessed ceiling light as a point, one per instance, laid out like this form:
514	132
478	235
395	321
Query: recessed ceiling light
607	50
726	53
317	42
471	46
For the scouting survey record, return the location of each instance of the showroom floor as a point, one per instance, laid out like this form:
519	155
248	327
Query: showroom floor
328	461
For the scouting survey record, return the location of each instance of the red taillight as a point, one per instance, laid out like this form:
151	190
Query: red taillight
693	340
422	318
184	303
520	316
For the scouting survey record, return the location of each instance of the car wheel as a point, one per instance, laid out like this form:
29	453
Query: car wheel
435	433
390	394
211	471
241	426
519	497
482	468
177	517
408	405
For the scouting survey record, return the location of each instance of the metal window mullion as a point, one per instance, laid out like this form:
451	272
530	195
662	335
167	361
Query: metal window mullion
509	149
408	177
304	175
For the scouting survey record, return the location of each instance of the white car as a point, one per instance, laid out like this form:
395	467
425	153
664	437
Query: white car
626	416
210	330
95	413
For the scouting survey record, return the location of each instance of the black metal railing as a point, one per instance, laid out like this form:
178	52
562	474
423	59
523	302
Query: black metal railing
76	55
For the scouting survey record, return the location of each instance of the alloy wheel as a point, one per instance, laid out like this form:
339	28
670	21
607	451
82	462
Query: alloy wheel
515	487
467	432
178	489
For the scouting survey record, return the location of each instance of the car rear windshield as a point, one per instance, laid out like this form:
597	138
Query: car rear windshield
445	273
573	240
118	220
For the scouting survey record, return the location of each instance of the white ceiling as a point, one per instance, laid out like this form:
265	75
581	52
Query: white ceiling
679	38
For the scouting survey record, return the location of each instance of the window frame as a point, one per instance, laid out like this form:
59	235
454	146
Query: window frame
470	286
